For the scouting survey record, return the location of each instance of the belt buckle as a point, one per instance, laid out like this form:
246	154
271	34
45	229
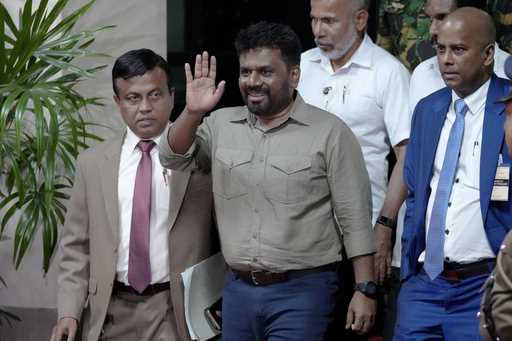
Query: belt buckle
253	276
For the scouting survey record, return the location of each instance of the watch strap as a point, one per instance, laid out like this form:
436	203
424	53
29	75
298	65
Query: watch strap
388	222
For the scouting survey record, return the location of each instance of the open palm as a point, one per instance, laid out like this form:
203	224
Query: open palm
202	94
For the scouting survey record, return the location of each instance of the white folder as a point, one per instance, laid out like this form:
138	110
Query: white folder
203	284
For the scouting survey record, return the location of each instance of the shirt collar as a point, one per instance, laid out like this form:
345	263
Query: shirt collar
298	112
475	101
131	140
362	56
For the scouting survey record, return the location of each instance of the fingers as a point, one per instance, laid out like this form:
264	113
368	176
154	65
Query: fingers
362	323
53	337
202	68
204	65
71	333
188	73
350	317
219	91
358	324
213	68
197	67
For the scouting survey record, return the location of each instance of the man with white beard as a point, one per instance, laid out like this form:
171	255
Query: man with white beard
351	77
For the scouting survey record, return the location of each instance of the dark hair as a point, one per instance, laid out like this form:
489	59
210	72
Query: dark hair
136	63
273	36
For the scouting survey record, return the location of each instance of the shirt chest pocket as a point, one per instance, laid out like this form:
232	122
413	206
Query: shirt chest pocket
288	179
230	172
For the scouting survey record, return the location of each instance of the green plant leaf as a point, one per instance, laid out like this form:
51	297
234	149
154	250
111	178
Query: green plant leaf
42	125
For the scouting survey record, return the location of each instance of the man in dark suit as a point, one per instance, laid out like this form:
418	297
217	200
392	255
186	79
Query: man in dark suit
457	215
132	227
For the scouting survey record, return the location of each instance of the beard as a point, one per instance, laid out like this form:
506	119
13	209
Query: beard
269	104
340	49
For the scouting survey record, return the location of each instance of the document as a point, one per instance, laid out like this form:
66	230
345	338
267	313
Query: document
203	284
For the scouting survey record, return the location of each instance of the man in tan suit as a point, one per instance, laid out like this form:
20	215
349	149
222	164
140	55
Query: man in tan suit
132	227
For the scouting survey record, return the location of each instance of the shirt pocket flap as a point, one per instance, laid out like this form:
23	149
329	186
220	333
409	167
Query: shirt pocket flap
291	165
232	157
93	286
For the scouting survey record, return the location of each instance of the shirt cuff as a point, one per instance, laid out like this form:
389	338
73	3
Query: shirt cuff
170	159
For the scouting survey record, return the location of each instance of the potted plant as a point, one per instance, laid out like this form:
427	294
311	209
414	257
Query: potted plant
42	122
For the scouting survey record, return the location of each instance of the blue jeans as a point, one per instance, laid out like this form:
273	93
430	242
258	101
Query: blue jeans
438	309
295	310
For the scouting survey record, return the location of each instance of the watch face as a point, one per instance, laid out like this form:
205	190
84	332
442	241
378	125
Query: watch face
367	288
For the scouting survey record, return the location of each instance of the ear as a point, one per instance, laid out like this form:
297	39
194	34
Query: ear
361	20
116	99
489	55
294	76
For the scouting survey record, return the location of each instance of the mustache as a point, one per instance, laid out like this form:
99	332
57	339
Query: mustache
256	89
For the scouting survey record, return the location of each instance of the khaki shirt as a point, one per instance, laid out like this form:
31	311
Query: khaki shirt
279	192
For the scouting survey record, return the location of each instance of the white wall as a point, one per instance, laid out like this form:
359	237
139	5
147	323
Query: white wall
139	24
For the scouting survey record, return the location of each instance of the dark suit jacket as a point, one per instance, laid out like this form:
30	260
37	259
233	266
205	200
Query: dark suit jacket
428	120
88	246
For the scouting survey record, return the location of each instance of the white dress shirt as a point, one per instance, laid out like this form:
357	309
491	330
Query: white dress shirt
465	238
370	93
159	220
426	77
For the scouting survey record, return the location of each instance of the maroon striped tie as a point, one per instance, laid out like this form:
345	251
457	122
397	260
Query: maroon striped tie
139	267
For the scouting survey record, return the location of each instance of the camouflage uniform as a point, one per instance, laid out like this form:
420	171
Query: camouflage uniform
403	31
403	28
501	10
496	308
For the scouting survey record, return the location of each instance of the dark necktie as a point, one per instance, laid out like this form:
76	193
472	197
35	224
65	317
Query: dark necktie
434	253
139	267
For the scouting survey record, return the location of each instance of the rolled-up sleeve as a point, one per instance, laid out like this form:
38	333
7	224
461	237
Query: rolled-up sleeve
350	192
196	157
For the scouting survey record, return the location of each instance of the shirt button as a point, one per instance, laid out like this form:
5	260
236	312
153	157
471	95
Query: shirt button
449	204
457	180
447	259
447	231
254	259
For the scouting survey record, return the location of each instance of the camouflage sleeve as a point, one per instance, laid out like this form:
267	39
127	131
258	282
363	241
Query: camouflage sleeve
496	308
501	10
403	31
501	300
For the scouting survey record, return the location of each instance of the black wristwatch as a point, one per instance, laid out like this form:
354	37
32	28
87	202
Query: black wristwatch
388	222
369	289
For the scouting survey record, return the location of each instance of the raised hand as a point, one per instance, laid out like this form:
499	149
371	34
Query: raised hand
202	94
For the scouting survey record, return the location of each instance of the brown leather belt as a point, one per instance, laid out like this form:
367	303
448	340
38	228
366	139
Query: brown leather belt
150	290
456	272
262	277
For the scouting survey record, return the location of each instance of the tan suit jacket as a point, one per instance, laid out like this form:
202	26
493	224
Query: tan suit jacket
90	237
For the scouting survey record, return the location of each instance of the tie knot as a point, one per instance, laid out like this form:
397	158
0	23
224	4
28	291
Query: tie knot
146	145
460	107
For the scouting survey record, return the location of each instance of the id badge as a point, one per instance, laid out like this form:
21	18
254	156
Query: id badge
501	183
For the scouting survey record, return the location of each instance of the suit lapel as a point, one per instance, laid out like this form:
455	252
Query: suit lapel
110	184
492	140
432	135
178	186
